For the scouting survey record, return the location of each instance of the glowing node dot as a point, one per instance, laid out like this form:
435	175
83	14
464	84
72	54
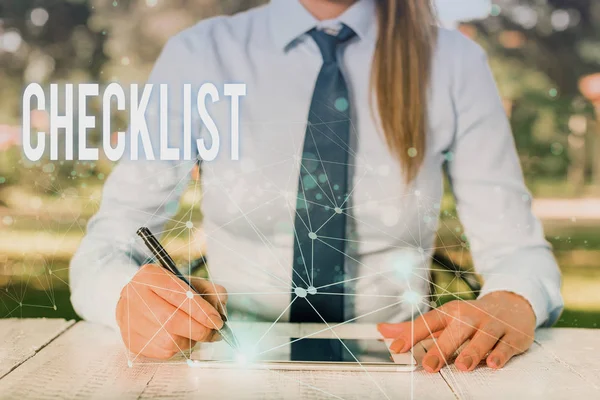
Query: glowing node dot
190	362
189	294
421	250
312	235
300	292
341	104
129	363
337	210
189	225
54	307
412	152
411	297
312	290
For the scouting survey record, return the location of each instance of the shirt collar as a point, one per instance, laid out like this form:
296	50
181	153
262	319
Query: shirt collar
289	20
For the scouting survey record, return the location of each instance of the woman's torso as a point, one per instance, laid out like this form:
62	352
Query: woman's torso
248	204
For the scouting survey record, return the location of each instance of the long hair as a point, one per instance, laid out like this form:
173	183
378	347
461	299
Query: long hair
400	78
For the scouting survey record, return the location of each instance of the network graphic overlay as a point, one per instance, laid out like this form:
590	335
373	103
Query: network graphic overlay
182	237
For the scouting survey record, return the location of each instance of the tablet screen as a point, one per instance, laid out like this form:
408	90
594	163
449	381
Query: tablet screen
338	350
307	350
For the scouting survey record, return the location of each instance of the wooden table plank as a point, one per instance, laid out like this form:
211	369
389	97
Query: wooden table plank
194	383
577	349
20	339
537	374
87	361
273	384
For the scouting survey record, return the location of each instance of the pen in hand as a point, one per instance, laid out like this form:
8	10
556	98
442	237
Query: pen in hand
165	261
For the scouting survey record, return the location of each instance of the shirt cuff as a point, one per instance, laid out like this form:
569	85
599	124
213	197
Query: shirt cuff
97	292
540	287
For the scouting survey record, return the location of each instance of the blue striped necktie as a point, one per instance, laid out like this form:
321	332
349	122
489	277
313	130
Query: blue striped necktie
320	222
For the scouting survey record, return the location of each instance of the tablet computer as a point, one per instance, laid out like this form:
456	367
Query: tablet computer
312	353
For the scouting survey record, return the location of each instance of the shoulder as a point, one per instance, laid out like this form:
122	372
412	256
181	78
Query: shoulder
458	60
454	48
219	31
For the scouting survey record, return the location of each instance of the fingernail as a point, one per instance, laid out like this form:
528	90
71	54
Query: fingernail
495	361
216	336
397	346
431	364
464	363
215	321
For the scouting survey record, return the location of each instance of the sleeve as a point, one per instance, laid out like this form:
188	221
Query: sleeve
506	239
142	192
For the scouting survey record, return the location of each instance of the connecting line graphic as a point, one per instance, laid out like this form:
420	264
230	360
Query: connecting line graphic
296	238
310	229
412	340
275	322
331	327
347	349
263	239
277	277
431	333
162	327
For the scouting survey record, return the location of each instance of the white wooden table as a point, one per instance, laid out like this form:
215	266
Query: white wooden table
42	358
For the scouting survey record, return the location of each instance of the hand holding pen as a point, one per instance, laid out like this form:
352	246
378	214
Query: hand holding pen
160	315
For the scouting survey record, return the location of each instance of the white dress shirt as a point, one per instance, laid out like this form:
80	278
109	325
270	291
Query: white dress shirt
248	205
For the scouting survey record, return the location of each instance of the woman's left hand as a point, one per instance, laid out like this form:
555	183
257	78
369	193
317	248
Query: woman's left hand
500	323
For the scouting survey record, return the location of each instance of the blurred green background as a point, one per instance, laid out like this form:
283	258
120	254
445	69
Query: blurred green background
539	52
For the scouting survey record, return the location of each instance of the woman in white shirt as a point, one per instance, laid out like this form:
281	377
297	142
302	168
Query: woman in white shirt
353	109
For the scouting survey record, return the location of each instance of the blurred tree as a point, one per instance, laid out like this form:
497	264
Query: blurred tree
42	41
561	40
538	50
136	30
559	37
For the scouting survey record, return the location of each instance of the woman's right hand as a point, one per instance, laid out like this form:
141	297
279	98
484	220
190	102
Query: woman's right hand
159	316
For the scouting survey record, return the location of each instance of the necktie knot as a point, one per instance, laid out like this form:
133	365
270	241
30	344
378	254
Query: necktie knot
328	43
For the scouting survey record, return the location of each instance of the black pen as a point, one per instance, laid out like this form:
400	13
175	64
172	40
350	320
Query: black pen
167	263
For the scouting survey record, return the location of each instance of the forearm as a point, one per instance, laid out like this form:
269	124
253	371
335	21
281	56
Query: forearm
531	273
96	280
135	194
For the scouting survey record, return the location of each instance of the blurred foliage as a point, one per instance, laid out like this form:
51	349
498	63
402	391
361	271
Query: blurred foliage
538	50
